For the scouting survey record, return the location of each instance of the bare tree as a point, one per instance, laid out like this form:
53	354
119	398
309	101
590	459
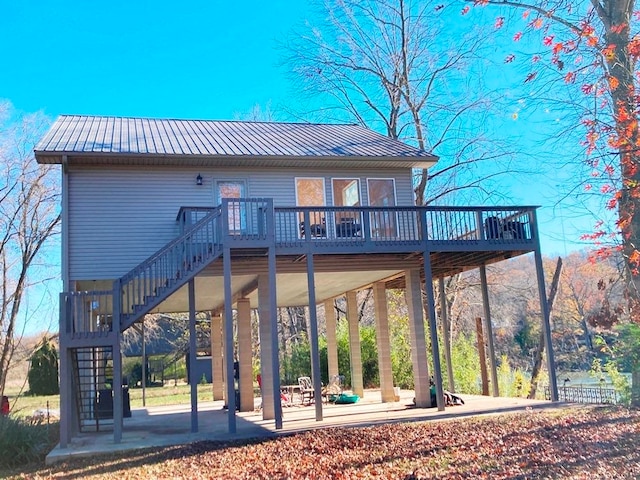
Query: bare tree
29	218
397	66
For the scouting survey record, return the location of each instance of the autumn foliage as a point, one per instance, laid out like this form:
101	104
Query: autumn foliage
593	47
571	444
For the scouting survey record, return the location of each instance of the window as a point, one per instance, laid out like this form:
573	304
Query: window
310	192
237	212
382	193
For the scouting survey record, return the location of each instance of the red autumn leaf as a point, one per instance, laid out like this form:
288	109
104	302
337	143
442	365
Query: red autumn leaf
499	22
548	40
592	41
586	88
465	10
530	77
570	77
618	28
557	48
510	58
537	23
517	36
525	14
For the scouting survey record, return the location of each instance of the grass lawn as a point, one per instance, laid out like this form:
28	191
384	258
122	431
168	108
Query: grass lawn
24	405
567	443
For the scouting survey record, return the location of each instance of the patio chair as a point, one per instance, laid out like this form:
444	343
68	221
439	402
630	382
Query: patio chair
333	388
306	390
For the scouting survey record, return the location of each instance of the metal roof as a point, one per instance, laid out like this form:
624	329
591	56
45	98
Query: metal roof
124	136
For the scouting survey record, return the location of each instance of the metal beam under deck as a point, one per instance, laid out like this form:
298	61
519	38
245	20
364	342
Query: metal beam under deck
446	264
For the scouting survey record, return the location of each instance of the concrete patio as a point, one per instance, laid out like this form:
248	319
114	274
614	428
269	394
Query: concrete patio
171	425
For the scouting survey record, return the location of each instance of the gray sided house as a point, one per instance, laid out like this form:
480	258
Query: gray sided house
165	216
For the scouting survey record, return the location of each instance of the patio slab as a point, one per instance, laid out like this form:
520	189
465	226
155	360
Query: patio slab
171	425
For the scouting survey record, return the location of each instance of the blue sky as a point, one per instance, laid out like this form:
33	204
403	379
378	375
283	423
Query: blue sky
193	59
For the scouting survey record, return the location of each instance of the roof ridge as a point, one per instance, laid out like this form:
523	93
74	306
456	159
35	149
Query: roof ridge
168	119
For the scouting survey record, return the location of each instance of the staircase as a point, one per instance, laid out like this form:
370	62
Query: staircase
151	282
92	374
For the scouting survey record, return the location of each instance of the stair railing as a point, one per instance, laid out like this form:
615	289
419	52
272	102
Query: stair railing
149	283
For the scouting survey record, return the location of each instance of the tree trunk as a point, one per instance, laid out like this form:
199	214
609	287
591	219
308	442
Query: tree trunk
635	388
537	359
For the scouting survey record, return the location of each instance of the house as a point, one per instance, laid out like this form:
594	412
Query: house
190	216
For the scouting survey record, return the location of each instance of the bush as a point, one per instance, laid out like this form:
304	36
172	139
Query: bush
43	370
464	356
24	441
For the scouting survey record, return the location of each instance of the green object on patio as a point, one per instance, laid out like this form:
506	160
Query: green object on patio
344	398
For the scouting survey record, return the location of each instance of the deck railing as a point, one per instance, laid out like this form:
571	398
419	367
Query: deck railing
256	223
403	224
87	312
586	394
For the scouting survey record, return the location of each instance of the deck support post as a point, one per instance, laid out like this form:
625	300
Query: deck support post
446	333
332	343
433	329
66	373
489	331
273	325
313	328
228	340
193	357
117	364
544	309
355	352
413	296
382	338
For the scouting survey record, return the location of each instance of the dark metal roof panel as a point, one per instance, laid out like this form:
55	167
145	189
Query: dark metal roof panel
74	134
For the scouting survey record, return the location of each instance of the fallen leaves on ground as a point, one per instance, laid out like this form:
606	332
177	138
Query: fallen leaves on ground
571	443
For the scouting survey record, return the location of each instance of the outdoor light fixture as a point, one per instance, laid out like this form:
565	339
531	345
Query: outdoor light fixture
199	180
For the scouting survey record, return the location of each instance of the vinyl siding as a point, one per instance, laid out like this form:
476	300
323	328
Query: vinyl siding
119	217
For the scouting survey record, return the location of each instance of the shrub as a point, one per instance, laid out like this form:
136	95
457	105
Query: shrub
464	355
24	441
43	370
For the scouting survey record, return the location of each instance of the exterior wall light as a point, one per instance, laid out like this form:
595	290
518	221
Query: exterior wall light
199	180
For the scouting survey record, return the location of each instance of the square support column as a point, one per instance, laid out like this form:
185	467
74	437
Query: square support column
382	339
266	350
228	340
355	353
413	295
217	381
332	343
244	355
